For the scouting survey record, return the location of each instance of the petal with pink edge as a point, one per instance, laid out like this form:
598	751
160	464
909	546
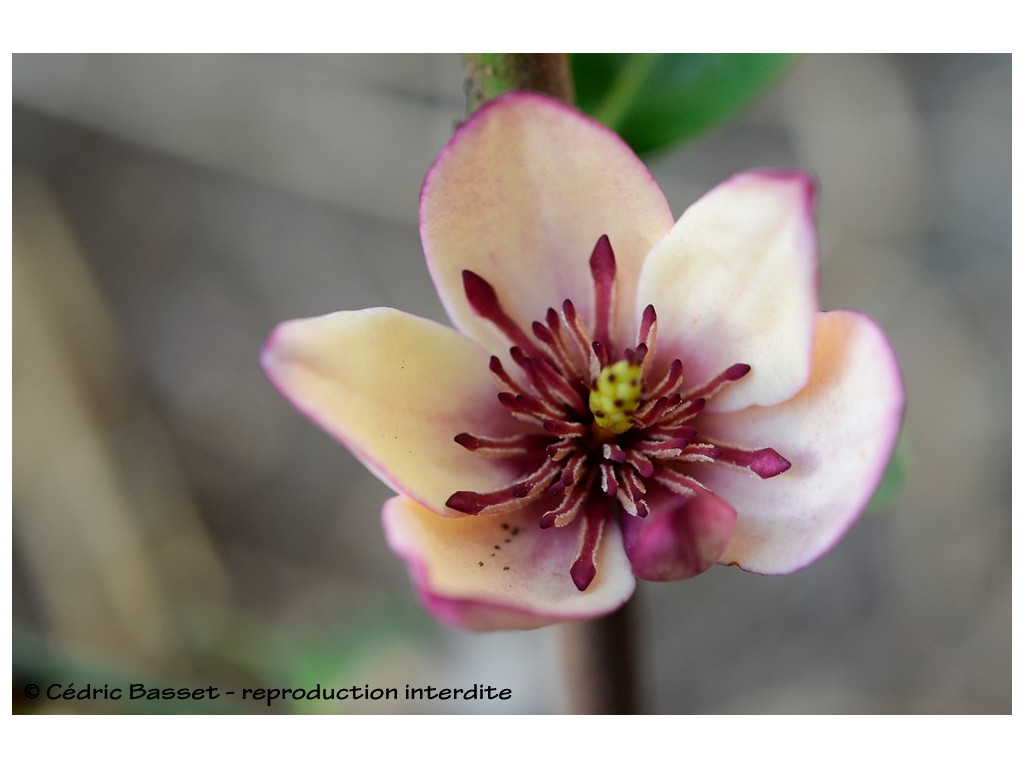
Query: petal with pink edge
680	538
520	196
396	389
503	572
735	281
839	433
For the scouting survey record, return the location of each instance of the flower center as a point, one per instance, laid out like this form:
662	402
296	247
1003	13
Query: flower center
616	396
597	427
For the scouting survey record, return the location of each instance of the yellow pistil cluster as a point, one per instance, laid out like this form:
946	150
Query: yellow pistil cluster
616	396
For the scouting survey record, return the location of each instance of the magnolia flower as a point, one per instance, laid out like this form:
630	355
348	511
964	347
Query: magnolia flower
623	396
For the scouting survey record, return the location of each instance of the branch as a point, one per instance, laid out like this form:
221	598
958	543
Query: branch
488	75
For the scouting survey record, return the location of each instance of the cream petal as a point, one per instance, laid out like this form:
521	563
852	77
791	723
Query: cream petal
838	432
735	281
395	389
520	196
503	571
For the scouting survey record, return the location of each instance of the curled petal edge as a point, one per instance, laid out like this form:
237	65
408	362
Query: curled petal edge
442	555
839	433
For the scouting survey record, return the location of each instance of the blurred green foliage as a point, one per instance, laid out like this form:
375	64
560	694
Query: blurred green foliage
893	481
656	100
241	651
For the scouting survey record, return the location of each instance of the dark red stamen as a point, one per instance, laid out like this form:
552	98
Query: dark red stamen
701	452
608	482
632	492
503	447
648	323
672	379
679	482
613	453
667	444
649	413
526	408
584	568
565	428
544	376
602	269
712	388
765	462
504	380
484	300
564	513
642	464
506	499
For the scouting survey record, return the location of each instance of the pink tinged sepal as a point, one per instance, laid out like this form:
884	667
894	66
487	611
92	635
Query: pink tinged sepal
396	389
681	537
523	186
838	433
736	280
504	571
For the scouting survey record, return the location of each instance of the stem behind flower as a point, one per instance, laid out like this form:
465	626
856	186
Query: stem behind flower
488	75
599	664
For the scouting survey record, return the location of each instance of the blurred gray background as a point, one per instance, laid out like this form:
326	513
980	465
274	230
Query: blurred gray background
176	522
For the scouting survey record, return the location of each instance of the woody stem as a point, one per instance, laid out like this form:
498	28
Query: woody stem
599	664
488	75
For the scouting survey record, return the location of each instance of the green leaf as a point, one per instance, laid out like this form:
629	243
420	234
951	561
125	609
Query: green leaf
893	480
654	100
